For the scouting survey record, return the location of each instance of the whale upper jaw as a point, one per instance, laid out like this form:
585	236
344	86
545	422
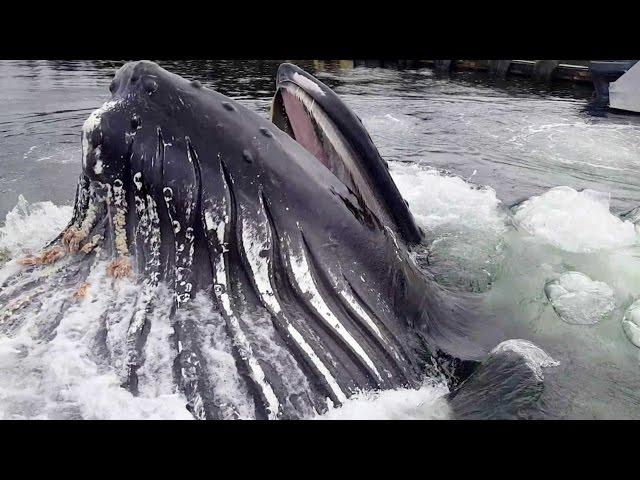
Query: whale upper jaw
312	114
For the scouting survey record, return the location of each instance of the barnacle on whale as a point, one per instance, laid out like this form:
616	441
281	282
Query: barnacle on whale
91	244
69	235
119	268
82	291
74	236
46	257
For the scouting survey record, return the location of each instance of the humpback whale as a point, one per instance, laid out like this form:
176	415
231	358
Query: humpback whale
287	235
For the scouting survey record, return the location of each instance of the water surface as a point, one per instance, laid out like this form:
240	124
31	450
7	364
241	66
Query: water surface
466	152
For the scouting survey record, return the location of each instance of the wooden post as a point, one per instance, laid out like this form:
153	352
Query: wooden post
499	68
443	65
543	70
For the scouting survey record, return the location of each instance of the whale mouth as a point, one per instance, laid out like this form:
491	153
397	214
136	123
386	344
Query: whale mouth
316	118
296	113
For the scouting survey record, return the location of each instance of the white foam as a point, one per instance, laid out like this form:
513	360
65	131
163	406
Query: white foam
575	221
229	389
264	339
28	227
426	403
62	377
536	358
465	224
155	376
579	300
437	199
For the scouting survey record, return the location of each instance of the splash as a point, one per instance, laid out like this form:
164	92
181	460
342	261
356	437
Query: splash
28	227
465	224
426	403
574	221
579	300
60	372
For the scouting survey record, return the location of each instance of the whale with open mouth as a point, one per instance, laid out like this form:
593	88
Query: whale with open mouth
293	231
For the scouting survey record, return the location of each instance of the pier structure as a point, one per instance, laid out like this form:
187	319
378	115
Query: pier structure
598	73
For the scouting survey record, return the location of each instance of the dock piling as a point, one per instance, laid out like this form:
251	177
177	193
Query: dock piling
499	68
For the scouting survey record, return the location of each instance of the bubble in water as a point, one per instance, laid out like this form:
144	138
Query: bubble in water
574	221
579	300
465	224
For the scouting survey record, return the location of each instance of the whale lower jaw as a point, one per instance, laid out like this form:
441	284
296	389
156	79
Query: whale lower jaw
298	343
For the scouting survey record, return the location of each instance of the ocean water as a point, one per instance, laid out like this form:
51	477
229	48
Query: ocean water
519	188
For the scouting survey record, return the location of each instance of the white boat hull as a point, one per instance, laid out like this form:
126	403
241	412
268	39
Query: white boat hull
624	93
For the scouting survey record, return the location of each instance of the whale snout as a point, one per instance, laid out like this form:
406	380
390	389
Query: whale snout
136	77
144	97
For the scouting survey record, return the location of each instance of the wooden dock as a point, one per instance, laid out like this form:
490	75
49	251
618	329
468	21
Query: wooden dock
597	73
542	70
